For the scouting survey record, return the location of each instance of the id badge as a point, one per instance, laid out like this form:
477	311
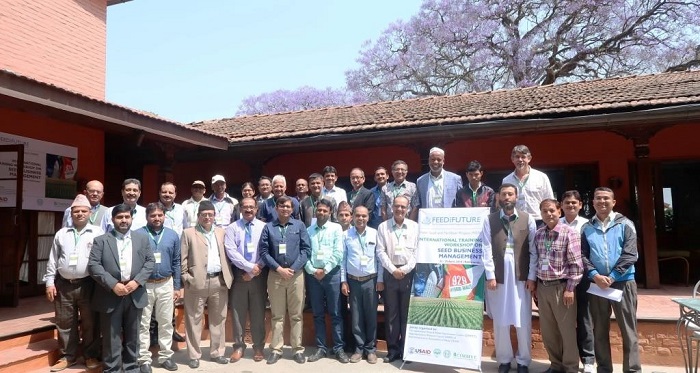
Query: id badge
398	250
283	249
437	201
250	247
158	257
364	260
544	264
509	248
73	260
320	255
122	263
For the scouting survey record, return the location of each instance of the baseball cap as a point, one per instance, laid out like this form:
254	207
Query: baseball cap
199	182
217	178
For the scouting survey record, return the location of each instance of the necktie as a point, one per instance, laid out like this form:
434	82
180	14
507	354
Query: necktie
248	238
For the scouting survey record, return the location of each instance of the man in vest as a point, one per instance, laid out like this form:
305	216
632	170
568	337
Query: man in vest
510	260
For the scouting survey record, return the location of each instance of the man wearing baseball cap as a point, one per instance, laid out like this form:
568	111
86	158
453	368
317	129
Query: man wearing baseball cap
69	287
226	207
191	206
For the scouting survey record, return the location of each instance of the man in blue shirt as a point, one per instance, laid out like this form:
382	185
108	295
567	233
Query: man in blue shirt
380	177
249	290
323	270
268	208
285	248
362	278
163	288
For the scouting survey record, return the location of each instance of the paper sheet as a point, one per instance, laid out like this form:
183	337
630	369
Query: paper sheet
609	293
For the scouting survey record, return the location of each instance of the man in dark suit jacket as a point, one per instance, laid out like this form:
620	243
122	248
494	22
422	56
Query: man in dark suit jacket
438	188
359	195
121	261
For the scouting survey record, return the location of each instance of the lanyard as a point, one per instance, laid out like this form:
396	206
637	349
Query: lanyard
154	235
319	237
507	221
171	214
521	184
397	189
208	236
283	231
195	207
93	214
398	233
547	242
76	237
125	239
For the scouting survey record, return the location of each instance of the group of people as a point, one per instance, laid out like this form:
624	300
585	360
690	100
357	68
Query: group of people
121	267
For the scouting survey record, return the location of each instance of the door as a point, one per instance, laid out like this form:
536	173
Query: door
11	229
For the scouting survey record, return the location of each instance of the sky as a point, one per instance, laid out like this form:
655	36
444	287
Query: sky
197	60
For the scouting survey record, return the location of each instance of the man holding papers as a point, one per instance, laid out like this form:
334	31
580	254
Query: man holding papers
609	249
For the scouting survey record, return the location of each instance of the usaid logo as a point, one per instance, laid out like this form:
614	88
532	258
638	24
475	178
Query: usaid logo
419	351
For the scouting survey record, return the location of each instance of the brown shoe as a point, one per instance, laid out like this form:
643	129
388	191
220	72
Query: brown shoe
372	358
92	363
355	358
237	354
62	364
258	355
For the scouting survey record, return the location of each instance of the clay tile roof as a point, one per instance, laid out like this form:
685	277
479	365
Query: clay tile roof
560	100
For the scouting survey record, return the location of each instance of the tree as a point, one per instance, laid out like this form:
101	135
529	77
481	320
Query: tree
303	98
452	46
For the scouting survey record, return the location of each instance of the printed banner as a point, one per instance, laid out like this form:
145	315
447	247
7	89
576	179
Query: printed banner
49	174
446	311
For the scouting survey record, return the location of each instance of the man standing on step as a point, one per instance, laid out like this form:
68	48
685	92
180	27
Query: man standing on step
70	287
94	191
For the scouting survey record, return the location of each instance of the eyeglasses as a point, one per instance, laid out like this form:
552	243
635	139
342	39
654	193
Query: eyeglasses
207	214
400	207
284	206
94	192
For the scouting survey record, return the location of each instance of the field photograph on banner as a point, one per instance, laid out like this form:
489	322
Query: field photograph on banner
445	313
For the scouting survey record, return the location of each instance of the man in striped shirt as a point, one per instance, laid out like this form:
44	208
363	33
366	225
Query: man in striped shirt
559	270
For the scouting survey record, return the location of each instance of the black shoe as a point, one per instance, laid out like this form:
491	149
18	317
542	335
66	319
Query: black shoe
273	358
523	369
176	337
342	357
145	368
220	360
550	370
503	368
318	355
194	363
391	358
169	365
299	358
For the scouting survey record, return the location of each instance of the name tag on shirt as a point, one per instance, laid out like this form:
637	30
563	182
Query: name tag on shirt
73	260
544	264
364	260
250	247
283	249
399	250
509	248
437	201
321	255
158	257
122	263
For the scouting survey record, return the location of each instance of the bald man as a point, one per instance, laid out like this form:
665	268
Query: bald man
94	191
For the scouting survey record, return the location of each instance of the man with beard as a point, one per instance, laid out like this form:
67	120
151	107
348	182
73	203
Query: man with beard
94	191
191	206
163	289
307	208
249	289
380	178
226	207
174	213
131	192
359	195
510	260
438	188
121	261
533	185
70	287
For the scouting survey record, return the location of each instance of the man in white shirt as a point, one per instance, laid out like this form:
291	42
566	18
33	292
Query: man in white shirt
131	192
438	188
397	240
330	176
226	207
70	287
191	206
174	212
94	191
572	204
533	185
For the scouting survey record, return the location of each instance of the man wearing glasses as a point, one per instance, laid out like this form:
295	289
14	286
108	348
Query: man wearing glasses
94	191
400	187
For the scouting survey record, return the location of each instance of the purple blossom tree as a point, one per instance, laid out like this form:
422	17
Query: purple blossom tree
453	46
303	98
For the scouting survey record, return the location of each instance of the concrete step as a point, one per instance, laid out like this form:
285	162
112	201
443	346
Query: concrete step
35	355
